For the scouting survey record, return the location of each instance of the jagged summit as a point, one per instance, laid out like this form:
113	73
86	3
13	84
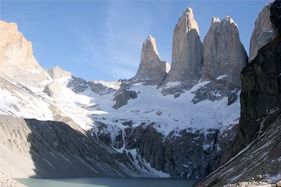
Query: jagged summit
223	52
263	32
215	20
151	69
187	50
57	72
225	20
189	20
149	50
16	56
8	26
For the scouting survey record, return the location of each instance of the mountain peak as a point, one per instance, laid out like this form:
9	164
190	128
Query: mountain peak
215	20
150	37
57	72
16	56
8	26
188	13
222	40
188	21
226	20
229	20
149	49
151	68
187	50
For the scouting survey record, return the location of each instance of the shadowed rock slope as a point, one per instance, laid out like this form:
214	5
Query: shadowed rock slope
32	148
259	128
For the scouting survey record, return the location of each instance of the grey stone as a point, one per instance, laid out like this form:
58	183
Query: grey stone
259	129
223	52
263	32
16	57
53	149
187	50
122	96
184	154
151	69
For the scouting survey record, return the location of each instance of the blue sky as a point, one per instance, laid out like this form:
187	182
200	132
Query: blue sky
102	40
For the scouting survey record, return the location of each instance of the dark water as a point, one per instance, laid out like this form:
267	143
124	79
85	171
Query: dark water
106	182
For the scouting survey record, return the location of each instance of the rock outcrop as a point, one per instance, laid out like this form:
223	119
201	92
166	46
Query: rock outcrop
223	53
257	145
263	32
275	15
151	69
258	162
123	95
181	154
187	50
16	58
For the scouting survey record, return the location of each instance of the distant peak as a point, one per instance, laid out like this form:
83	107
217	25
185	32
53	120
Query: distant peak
188	14
150	46
188	11
57	72
229	20
187	21
150	38
215	20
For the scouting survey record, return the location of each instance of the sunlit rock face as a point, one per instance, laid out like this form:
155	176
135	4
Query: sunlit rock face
151	69
223	53
263	32
187	50
16	56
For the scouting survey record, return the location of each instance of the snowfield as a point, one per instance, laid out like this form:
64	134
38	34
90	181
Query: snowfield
167	113
170	113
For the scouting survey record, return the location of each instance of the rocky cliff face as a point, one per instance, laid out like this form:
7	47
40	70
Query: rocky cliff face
16	58
223	52
185	135
187	50
35	148
258	137
151	69
260	94
263	32
186	153
256	165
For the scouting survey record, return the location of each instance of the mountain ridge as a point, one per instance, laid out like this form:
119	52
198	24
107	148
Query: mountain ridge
173	124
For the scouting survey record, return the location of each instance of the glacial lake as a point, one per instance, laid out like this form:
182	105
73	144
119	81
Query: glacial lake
106	182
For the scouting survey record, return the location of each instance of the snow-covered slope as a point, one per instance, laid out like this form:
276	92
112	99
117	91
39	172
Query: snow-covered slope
168	112
94	111
122	113
199	108
18	100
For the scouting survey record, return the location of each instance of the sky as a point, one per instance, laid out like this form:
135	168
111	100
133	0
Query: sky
102	40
